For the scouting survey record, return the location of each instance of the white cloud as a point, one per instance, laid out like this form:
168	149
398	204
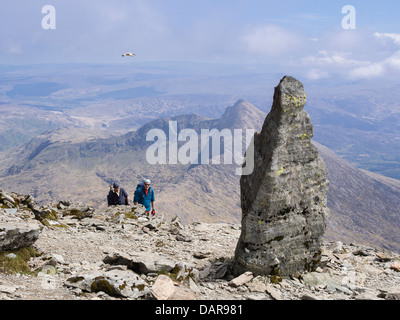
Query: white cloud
377	69
394	60
389	65
371	55
270	40
367	72
393	36
316	74
340	59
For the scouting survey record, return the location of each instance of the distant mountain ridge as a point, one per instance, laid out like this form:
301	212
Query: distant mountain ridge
80	165
358	120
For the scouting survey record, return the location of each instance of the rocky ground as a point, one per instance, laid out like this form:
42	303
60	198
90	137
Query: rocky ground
119	254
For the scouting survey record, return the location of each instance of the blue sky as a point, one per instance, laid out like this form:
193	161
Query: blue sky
304	35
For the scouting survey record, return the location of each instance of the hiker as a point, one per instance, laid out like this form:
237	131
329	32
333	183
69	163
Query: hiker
117	196
144	195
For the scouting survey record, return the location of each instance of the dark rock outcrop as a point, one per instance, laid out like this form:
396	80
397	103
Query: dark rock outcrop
283	201
16	229
17	233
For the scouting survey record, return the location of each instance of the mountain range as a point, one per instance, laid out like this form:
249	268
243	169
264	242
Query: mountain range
78	164
358	120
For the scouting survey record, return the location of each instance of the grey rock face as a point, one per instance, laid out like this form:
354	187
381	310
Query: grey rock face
284	200
141	262
116	283
16	233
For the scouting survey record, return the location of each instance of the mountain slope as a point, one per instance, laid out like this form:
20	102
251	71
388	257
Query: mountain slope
362	206
59	166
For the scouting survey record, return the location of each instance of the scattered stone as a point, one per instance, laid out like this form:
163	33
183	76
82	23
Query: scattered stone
193	286
221	271
330	288
344	290
7	289
320	270
184	238
116	283
274	293
174	230
308	297
105	258
59	259
362	252
392	296
368	295
395	266
255	296
163	288
11	212
142	263
201	255
370	269
241	280
338	247
256	286
382	257
177	222
7	200
316	279
49	269
183	293
146	230
184	272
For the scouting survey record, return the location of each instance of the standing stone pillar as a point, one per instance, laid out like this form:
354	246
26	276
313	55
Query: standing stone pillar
284	200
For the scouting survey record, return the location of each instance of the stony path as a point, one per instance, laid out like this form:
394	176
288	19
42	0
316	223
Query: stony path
346	271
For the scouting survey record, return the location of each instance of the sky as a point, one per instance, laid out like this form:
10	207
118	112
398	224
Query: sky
321	39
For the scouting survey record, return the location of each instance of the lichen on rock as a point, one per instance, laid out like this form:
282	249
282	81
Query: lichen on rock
284	200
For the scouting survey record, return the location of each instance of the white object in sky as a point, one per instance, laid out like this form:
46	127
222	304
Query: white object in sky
128	54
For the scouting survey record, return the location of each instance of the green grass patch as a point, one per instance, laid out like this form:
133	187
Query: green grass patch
11	264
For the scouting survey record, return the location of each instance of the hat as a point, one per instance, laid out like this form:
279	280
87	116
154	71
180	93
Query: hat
146	181
116	185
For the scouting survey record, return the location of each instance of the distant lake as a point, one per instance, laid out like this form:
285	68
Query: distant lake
34	89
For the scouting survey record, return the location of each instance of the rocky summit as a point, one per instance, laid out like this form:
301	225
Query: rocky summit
118	253
284	200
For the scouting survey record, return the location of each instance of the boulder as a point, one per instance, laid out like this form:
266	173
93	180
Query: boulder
116	283
241	280
163	288
16	233
395	266
284	200
141	262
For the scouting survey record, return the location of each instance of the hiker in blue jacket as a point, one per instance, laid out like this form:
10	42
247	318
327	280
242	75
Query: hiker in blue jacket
144	195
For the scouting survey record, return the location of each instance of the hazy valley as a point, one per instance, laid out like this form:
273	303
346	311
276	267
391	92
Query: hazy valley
67	136
360	121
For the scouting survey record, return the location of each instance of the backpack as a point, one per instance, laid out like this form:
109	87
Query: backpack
141	186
